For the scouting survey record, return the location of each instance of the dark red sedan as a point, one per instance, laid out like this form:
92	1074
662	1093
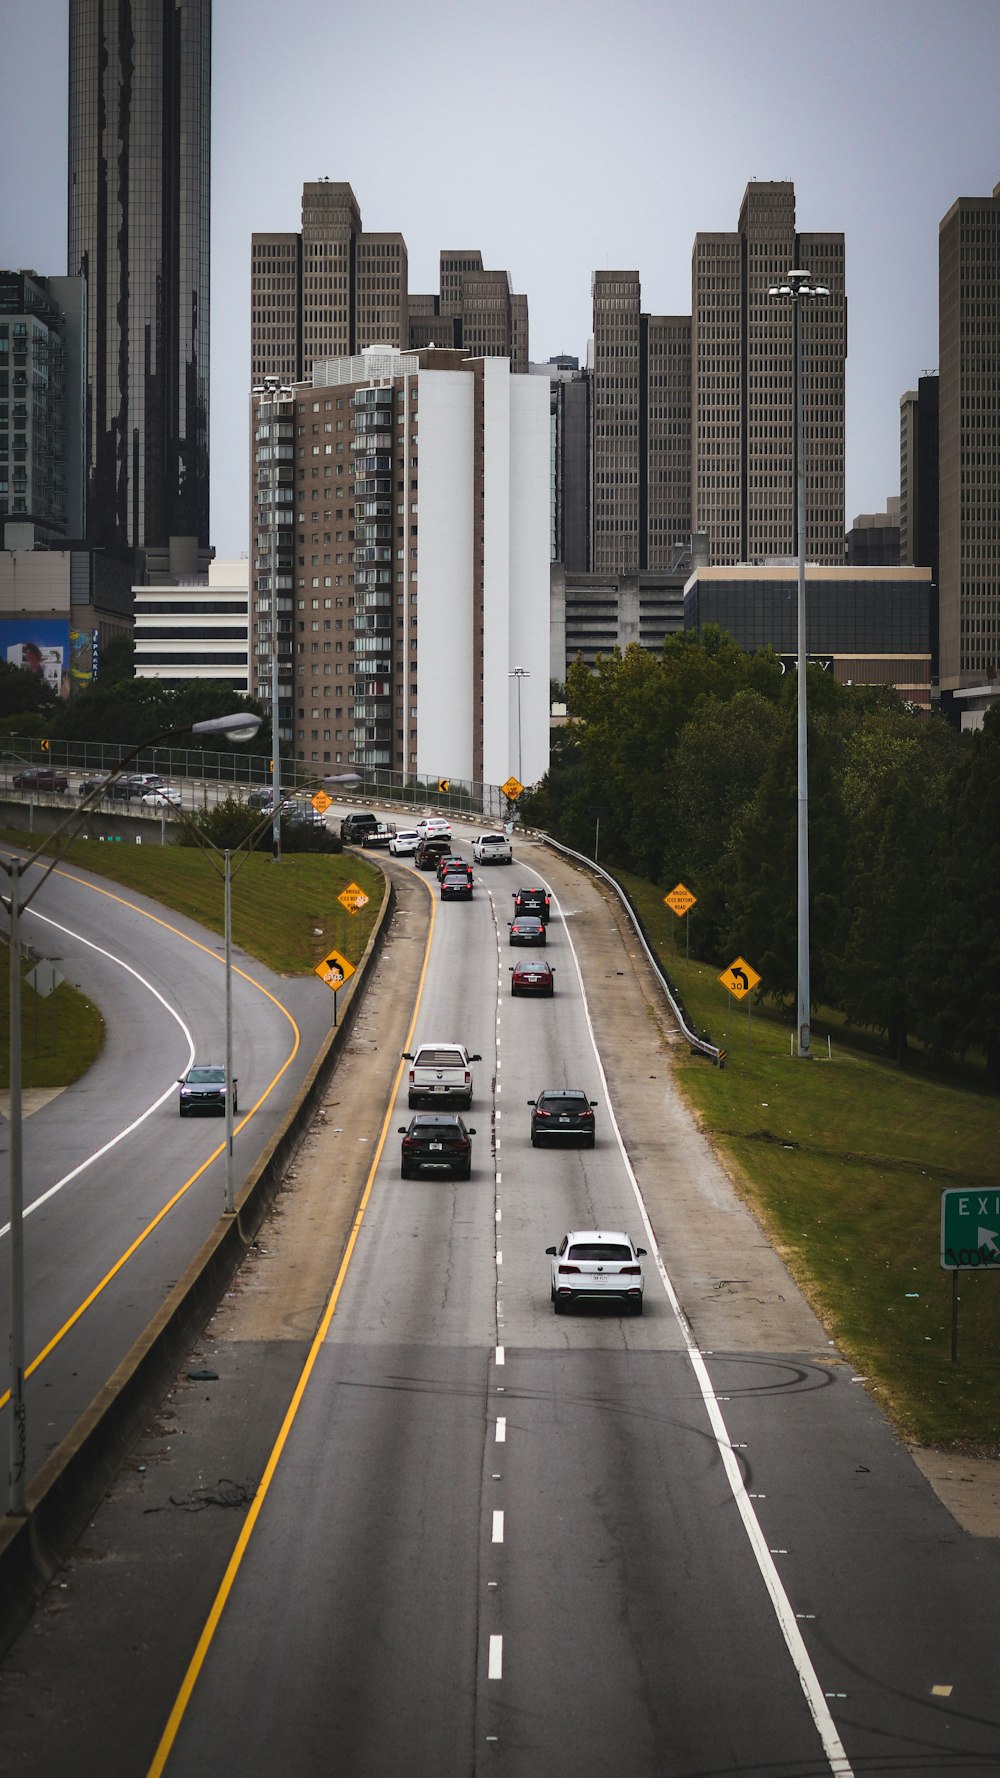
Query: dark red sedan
533	976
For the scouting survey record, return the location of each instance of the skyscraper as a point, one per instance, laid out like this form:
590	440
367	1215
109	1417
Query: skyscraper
969	460
742	386
139	167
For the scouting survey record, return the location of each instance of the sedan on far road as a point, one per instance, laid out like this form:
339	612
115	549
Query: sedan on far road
526	930
532	976
562	1111
433	825
589	1264
40	778
167	796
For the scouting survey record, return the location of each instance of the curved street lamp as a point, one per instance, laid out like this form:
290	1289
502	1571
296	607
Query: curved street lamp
242	725
798	288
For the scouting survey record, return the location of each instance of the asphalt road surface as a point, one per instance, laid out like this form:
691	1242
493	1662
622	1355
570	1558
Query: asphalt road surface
486	1539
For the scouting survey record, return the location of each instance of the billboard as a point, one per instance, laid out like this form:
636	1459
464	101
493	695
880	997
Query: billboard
65	658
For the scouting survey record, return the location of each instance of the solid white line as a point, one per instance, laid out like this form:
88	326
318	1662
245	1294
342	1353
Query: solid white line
832	1745
495	1669
98	1154
501	1355
501	1429
498	1527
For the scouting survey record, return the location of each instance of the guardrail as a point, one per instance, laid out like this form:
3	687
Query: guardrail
699	1045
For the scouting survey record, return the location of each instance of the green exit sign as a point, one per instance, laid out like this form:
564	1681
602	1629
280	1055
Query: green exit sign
970	1229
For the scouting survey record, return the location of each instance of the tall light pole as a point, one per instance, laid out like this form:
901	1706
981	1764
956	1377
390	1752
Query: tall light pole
799	288
519	673
241	726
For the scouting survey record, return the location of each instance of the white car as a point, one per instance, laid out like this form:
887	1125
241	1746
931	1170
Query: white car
492	848
404	842
167	796
594	1263
434	827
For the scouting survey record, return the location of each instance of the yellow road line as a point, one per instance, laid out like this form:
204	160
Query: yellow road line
171	1203
206	1638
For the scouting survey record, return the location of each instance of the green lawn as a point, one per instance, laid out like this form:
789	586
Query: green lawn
843	1160
62	1034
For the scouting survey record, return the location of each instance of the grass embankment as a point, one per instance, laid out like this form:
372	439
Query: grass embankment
61	1035
287	916
854	1203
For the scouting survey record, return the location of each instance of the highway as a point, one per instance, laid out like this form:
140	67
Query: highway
487	1539
119	1191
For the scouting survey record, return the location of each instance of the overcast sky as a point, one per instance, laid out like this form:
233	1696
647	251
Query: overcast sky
561	136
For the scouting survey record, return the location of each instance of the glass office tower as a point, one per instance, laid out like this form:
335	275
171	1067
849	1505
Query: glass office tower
139	215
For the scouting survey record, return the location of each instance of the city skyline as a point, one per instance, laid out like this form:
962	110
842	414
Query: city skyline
881	115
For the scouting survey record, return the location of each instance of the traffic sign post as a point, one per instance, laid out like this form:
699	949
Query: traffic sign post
970	1240
334	970
680	901
739	980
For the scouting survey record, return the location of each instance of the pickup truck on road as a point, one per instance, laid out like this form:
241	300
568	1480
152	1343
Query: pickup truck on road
440	1071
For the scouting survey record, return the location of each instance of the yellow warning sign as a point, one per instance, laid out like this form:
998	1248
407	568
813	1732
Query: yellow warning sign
512	788
334	970
353	898
680	899
321	801
444	785
740	978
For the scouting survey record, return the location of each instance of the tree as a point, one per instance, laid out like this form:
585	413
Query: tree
24	693
117	659
964	951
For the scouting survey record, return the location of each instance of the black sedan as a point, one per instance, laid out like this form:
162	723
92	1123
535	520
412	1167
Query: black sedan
456	885
527	929
562	1111
204	1089
438	1142
533	976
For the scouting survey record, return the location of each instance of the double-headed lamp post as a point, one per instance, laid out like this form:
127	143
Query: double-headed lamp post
241	726
519	673
799	288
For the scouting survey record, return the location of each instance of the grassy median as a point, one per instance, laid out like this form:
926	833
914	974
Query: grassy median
843	1160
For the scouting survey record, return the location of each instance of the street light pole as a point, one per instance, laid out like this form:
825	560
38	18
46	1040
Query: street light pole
241	726
798	288
228	926
519	673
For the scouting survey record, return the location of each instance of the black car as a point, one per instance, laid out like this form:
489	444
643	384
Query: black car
261	799
562	1111
204	1089
527	929
451	861
115	789
456	885
356	825
533	901
429	850
438	1141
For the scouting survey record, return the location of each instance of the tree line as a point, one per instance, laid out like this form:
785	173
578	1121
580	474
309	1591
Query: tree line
688	762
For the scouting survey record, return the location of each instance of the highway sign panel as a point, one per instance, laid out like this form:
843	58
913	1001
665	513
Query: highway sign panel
321	801
739	978
680	900
970	1229
444	785
353	898
512	788
334	970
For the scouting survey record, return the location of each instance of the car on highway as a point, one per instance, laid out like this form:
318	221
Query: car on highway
140	782
114	789
492	848
559	1112
533	901
436	1141
166	796
261	799
591	1265
533	975
526	929
433	825
450	861
40	778
404	842
356	824
298	811
203	1088
440	1070
430	848
456	884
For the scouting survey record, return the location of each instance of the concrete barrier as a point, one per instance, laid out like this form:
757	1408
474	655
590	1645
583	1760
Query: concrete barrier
67	1489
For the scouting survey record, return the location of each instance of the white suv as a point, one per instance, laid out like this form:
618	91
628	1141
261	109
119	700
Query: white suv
492	848
594	1263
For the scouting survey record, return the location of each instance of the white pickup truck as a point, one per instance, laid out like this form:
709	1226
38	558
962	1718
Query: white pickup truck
440	1071
492	848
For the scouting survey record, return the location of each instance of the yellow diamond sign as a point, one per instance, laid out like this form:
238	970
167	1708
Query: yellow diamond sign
739	978
353	898
512	788
334	970
680	900
321	801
